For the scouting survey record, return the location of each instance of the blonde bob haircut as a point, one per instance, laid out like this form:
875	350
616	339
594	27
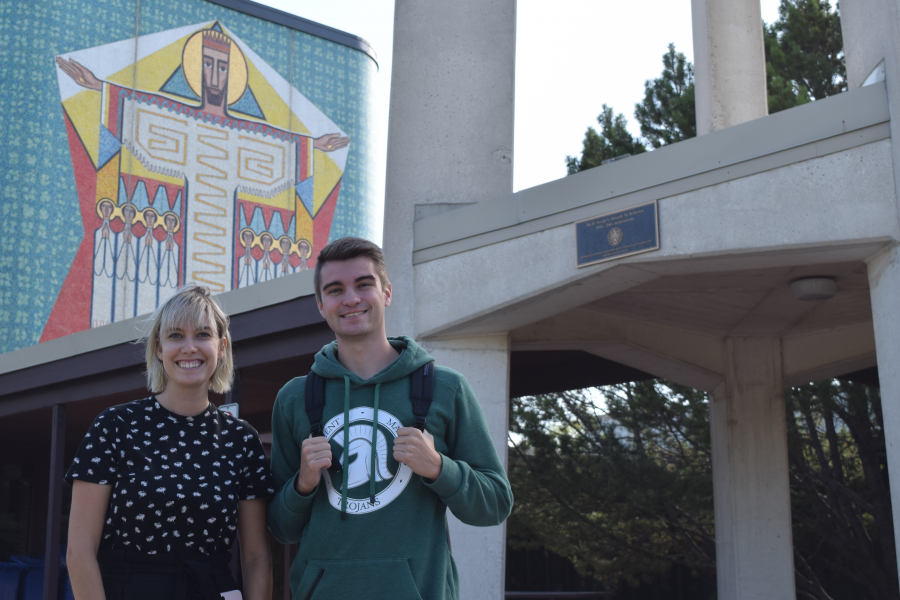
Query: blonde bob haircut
192	305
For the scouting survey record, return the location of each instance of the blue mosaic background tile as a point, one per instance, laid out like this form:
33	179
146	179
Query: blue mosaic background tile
333	78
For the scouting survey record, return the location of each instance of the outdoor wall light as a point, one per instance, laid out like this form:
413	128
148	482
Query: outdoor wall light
814	288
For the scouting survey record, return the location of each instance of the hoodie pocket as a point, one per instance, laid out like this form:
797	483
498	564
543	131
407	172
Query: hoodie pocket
376	579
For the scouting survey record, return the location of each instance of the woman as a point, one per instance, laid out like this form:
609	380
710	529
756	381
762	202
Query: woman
162	485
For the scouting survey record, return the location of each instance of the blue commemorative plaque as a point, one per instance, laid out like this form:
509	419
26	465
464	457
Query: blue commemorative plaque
617	234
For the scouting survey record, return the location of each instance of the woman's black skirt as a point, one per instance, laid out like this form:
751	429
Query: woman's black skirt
129	575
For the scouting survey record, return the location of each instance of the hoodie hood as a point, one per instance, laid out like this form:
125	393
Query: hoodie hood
412	356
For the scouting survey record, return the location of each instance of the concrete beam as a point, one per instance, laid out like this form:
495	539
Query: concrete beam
504	307
661	365
829	353
814	130
692	357
582	329
687	357
729	63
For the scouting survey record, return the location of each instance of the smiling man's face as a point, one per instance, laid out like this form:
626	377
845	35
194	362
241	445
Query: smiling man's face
353	299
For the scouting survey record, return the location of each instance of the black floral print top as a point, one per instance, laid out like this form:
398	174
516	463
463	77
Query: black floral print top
176	480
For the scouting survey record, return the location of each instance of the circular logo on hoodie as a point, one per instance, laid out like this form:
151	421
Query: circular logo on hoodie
366	440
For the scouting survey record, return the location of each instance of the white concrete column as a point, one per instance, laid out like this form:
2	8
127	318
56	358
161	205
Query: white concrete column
480	552
871	34
729	63
450	135
754	551
450	140
884	290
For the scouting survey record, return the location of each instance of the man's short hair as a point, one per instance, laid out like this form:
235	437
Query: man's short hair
349	248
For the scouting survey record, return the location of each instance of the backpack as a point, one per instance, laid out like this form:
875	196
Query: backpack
421	393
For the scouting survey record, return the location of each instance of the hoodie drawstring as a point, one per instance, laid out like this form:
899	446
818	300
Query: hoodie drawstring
346	451
372	470
346	457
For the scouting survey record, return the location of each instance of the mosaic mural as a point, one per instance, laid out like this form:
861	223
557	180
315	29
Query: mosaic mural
205	166
192	158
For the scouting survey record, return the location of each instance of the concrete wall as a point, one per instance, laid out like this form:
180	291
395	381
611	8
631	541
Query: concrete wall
798	214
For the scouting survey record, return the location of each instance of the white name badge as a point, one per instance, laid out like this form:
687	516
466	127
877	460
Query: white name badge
233	595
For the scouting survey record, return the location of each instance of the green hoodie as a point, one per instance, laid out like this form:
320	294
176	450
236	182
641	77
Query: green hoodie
395	548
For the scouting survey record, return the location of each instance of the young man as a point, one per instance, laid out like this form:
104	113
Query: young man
367	498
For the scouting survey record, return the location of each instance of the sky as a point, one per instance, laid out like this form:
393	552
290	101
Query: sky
572	56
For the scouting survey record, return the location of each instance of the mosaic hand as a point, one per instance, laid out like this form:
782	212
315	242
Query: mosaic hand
79	73
330	142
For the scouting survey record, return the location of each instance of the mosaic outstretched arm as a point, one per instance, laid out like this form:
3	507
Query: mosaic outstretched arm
330	142
79	73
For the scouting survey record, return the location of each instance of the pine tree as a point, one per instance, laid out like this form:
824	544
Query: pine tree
667	114
623	487
804	62
612	141
804	54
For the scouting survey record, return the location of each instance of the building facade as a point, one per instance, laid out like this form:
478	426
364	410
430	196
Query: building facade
153	144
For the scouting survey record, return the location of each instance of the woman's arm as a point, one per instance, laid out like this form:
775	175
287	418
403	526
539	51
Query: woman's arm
256	561
89	503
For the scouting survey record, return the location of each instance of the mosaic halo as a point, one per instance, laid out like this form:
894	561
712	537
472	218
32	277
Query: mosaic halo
192	65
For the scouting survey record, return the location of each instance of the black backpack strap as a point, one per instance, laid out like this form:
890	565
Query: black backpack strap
314	397
422	393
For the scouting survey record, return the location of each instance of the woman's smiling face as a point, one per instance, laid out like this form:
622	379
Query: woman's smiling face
190	354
